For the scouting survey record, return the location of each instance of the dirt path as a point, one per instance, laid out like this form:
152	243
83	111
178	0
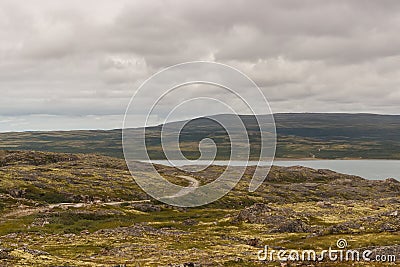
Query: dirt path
194	184
25	211
80	205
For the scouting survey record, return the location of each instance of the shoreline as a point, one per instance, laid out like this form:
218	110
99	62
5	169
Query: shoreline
314	159
281	159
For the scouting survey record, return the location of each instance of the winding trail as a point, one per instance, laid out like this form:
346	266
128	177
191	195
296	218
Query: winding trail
20	212
80	205
194	184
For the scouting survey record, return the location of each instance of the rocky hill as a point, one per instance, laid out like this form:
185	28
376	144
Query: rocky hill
61	209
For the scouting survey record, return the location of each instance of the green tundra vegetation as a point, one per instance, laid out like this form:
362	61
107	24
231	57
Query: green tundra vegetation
60	209
299	135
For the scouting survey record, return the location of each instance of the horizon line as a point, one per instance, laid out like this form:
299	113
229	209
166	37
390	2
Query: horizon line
220	114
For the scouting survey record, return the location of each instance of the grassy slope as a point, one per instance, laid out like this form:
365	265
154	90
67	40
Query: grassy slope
299	136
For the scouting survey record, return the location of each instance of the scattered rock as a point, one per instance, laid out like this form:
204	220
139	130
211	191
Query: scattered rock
324	204
392	180
8	158
39	222
190	222
136	230
343	228
253	214
394	213
4	255
187	264
35	252
387	227
17	192
293	226
146	207
85	232
393	250
254	242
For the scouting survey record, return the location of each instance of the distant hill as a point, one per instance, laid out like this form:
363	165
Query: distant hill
300	135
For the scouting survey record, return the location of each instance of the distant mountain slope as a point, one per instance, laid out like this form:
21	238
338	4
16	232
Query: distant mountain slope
338	135
300	135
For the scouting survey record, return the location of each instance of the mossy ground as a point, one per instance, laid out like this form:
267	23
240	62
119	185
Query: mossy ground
97	232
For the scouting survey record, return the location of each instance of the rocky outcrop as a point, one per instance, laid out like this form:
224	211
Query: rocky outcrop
253	214
36	158
292	226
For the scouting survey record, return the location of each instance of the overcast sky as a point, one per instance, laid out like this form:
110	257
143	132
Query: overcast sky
75	64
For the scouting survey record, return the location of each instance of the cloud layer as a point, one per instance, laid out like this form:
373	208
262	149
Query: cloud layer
84	59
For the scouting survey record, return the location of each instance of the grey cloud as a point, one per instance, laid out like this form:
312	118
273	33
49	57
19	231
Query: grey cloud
74	58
